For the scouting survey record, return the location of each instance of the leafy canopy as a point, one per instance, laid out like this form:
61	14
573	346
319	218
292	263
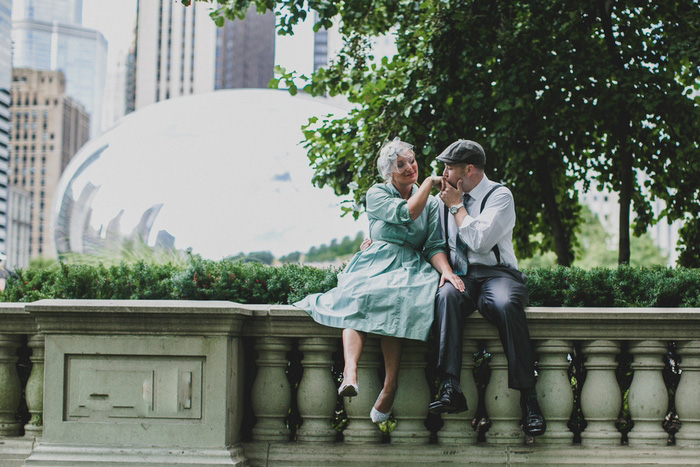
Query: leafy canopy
555	91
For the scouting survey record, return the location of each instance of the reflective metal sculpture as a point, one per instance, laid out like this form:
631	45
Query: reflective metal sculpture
220	173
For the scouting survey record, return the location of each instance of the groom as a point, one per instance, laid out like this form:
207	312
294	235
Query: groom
477	217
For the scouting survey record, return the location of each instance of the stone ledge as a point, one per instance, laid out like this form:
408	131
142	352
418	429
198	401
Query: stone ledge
16	320
298	453
52	455
13	451
138	317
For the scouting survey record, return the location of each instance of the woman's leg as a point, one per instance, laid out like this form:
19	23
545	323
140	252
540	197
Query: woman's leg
391	348
353	341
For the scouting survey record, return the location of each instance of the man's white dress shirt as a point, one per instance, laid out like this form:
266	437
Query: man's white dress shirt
480	231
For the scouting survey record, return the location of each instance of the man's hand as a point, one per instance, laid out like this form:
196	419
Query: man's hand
365	244
451	195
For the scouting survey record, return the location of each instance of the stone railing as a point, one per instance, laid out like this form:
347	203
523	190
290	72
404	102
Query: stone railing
218	383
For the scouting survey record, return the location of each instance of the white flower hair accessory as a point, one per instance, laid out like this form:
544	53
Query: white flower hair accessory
386	163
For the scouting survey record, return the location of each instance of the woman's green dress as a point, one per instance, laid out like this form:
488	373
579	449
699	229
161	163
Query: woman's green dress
389	288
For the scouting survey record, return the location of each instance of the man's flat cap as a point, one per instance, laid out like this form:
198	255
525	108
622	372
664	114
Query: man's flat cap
463	151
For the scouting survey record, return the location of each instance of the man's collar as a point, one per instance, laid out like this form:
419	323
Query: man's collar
480	189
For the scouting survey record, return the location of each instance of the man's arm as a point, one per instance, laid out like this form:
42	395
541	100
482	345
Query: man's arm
497	219
452	196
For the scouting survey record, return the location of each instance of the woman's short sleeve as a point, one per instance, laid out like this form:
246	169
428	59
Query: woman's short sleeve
385	205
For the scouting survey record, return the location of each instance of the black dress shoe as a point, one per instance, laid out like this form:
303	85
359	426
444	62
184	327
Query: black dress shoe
451	400
533	422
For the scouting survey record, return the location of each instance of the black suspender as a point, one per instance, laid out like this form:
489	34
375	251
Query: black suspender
495	249
447	237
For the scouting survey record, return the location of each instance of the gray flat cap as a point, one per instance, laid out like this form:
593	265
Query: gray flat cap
463	151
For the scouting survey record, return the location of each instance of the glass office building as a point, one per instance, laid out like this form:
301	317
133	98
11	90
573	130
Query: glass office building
47	35
62	11
5	81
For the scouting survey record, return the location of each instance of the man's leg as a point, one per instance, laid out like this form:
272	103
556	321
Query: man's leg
502	302
451	308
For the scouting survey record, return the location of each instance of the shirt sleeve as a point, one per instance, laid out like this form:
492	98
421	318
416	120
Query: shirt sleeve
434	243
482	232
385	206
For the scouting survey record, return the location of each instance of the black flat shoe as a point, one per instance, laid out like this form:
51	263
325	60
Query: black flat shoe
533	422
450	400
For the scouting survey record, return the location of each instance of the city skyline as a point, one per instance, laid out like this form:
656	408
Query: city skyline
116	20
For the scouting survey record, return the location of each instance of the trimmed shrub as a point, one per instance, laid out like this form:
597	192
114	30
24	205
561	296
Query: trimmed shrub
256	283
200	280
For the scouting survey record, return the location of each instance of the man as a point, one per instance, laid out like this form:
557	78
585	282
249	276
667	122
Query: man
479	237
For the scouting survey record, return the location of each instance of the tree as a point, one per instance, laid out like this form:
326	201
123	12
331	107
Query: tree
555	92
293	257
594	248
264	257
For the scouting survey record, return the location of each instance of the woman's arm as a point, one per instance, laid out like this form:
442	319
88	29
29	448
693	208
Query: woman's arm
383	204
439	262
416	203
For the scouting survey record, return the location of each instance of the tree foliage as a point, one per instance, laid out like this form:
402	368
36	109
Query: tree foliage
555	92
595	249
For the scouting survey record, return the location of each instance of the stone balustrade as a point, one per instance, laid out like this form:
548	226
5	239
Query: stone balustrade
218	383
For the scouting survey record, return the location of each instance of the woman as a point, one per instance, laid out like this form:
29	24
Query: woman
389	288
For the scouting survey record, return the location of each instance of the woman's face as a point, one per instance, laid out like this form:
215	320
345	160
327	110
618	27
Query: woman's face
406	169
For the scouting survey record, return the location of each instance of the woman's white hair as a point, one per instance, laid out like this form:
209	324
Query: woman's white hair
386	163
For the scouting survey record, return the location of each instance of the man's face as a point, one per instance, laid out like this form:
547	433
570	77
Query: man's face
454	172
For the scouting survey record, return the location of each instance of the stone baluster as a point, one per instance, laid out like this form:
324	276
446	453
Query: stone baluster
317	395
648	396
10	386
457	428
412	397
360	428
601	399
34	392
687	400
554	390
502	403
271	394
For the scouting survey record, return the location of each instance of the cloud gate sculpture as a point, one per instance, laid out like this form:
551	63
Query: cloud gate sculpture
218	173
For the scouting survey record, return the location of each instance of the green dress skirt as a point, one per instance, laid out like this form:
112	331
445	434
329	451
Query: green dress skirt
389	288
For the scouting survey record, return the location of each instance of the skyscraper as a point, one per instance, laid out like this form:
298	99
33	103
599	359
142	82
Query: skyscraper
5	82
115	89
245	51
48	128
320	46
48	35
61	11
19	228
179	51
175	51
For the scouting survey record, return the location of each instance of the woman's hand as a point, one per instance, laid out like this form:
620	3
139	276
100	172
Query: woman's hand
365	244
453	279
436	181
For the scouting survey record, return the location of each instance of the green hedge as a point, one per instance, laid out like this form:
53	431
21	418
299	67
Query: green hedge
621	287
257	283
200	280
